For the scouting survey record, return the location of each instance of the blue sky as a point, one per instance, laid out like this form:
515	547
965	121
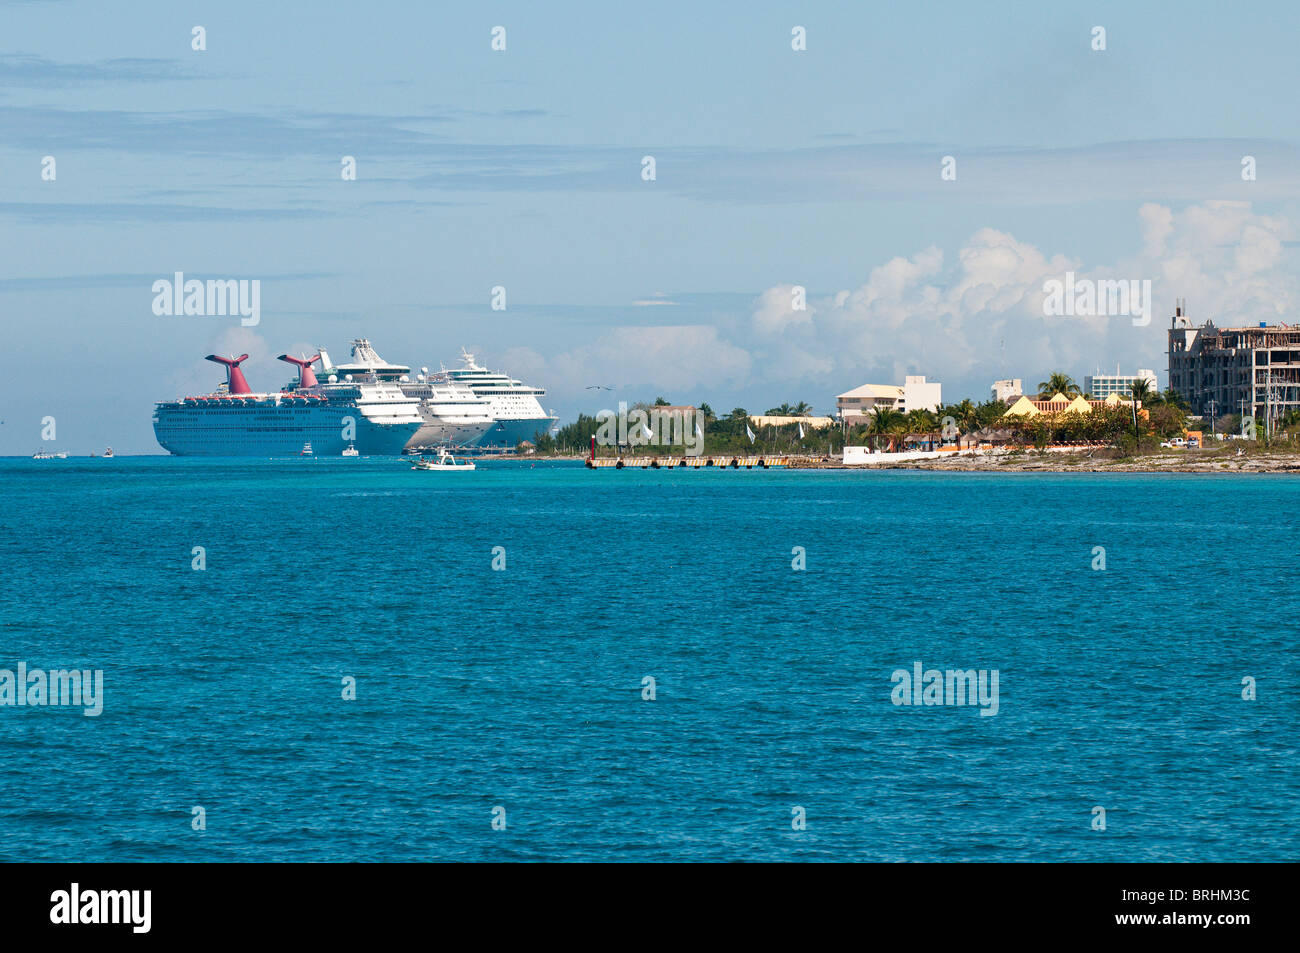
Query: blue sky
521	168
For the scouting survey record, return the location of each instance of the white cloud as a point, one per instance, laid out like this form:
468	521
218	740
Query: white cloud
775	311
965	324
913	316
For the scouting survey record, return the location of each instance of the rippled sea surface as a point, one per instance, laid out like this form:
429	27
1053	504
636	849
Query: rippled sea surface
522	688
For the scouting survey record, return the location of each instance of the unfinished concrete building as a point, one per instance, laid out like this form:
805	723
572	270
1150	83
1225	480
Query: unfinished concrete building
1243	370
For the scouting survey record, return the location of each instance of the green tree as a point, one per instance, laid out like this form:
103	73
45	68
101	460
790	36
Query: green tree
885	422
1172	398
1058	383
990	412
1140	390
967	416
1167	420
574	436
921	423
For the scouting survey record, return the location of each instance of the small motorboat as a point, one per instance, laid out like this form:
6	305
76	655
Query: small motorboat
445	461
108	452
48	455
306	450
351	451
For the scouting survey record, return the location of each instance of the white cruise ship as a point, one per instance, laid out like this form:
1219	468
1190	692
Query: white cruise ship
453	414
236	421
517	414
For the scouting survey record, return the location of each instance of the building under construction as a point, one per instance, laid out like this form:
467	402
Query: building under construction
1252	371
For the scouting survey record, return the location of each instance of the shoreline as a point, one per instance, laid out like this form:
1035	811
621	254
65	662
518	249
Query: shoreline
1031	461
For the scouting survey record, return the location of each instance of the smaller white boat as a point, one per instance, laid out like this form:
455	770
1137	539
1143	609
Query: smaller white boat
108	452
306	450
351	451
445	461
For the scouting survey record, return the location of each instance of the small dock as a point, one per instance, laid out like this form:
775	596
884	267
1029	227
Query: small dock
709	462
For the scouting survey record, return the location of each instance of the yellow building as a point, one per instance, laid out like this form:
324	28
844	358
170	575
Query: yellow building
810	423
1060	404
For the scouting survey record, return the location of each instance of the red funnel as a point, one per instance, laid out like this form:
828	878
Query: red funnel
235	383
306	376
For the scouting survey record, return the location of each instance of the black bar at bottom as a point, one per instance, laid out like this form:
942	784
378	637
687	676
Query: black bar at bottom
1217	902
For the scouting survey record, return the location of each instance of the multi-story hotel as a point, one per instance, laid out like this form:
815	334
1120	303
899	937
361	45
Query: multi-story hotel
1008	390
916	394
1240	370
1101	386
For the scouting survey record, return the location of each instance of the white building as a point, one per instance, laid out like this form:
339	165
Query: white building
916	394
920	394
1007	391
1101	386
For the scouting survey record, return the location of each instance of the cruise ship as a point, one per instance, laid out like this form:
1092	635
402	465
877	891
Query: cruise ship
453	414
517	414
375	417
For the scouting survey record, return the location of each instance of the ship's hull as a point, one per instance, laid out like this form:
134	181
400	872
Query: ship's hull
510	432
442	432
268	430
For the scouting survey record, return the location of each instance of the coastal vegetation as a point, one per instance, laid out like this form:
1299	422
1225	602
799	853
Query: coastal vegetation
1127	429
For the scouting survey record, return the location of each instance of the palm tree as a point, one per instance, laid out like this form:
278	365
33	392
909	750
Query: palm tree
738	414
785	410
1170	397
803	409
989	412
924	419
707	411
921	422
898	433
1058	383
967	416
884	422
1139	391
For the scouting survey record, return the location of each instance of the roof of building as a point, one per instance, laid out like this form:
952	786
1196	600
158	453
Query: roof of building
777	420
872	390
1060	404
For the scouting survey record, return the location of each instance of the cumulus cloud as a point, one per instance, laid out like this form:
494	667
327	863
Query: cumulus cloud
963	318
982	317
776	311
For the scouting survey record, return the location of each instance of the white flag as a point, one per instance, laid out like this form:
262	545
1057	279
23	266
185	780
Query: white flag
801	431
750	432
649	434
699	431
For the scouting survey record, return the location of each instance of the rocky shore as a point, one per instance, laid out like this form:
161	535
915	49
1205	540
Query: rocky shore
1215	460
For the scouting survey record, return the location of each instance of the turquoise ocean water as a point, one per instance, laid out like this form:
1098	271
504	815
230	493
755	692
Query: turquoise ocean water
522	688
